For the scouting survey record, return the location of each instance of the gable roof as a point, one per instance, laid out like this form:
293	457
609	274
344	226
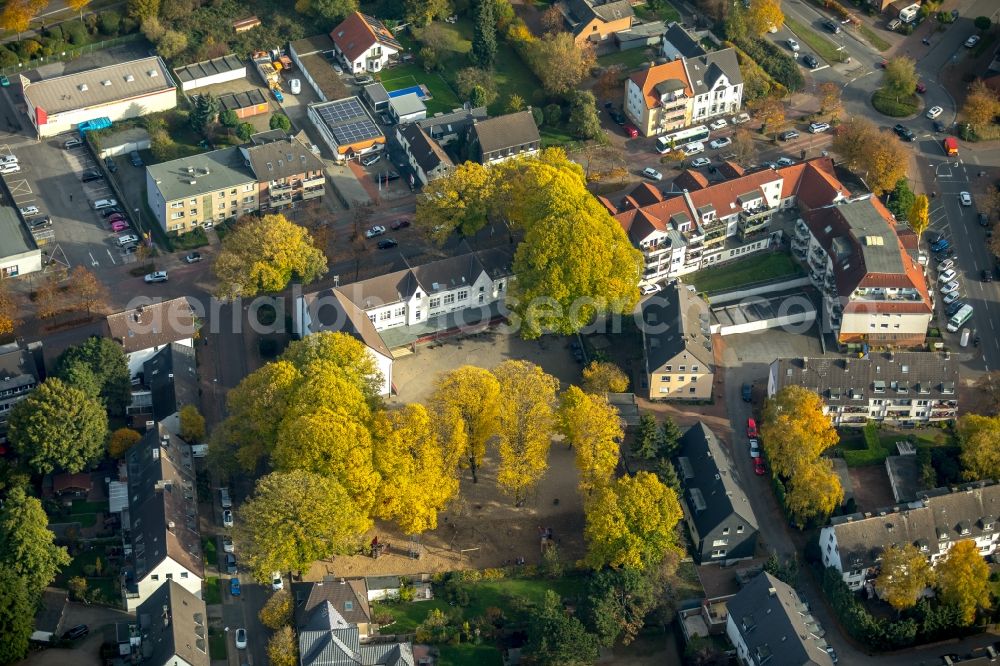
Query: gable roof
173	623
775	624
507	131
326	638
456	122
581	13
333	310
172	378
272	158
153	325
425	150
679	38
648	79
675	323
348	596
162	505
712	492
703	71
359	32
936	519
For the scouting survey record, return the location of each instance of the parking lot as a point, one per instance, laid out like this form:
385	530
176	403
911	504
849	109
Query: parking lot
50	180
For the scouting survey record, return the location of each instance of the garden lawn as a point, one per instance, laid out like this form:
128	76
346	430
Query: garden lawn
443	98
632	59
76	565
217	648
208	546
735	274
665	12
512	77
467	654
213	595
874	39
887	104
816	41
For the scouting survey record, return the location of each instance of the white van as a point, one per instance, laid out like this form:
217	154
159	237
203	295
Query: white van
104	203
127	239
694	148
8	159
295	86
962	316
199	450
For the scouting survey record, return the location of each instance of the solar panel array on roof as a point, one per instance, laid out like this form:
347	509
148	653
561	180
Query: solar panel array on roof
348	121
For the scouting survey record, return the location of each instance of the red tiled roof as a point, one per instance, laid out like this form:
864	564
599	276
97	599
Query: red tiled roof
650	78
359	32
690	180
731	170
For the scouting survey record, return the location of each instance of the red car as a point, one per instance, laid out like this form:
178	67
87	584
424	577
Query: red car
751	428
631	131
117	217
921	88
399	224
758	467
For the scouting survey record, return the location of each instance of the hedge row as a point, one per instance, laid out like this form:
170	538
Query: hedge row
67	36
772	60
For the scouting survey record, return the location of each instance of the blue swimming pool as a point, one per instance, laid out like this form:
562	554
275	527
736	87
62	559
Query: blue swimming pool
417	90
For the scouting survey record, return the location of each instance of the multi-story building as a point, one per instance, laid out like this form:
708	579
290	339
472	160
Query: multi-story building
425	156
897	388
18	378
593	21
687	91
286	169
403	307
504	137
874	290
698	224
363	43
677	345
146	329
935	522
159	520
171	628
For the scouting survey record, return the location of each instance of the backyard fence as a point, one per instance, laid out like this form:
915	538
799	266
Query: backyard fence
70	54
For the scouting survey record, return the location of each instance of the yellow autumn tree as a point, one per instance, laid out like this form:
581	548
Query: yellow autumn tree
886	163
905	574
771	112
277	610
526	422
192	424
854	138
78	5
465	404
604	377
8	310
814	491
256	406
762	15
410	458
16	15
919	215
282	648
263	254
963	580
592	426
794	429
631	523
982	104
121	441
459	202
980	439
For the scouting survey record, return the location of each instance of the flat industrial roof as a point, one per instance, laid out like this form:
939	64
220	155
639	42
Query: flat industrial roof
199	70
101	86
200	174
348	120
241	100
14	237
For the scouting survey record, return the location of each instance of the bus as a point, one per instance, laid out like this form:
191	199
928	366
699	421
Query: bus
681	137
962	316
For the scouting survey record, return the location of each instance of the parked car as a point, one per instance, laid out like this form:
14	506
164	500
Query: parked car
192	258
953	307
630	131
947	276
832	26
951	287
110	164
894	23
371	159
241	639
135	158
114	210
985	275
818	128
4	81
101	204
946	264
75	142
399	224
699	162
717	124
942	245
721	142
278	95
810	61
158	276
785	161
792	44
8	159
295	86
904	132
230	564
747	392
971	41
363	79
934	112
77	632
952	297
227	545
28	211
119	226
652	174
617	116
789	135
939	126
91	175
387	243
227	518
751	428
740	119
377	230
40	222
754	448
758	466
234	586
693	148
117	217
965	198
984	220
12	167
276	582
648	289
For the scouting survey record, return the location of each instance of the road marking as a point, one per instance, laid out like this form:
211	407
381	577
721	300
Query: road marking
93	262
111	257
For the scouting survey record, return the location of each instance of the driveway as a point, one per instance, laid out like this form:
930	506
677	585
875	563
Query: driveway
100	619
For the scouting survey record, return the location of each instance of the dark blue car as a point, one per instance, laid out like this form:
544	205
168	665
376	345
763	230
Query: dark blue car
234	587
941	245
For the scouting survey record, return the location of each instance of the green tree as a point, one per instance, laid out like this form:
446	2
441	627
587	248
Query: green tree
558	639
526	419
264	254
630	523
670	436
172	44
228	118
333	10
280	121
79	375
618	601
106	360
905	574
58	427
583	119
964	580
422	12
484	37
900	77
735	25
245	131
982	23
466	404
900	201
604	377
192	424
592	426
648	440
295	518
27	547
980	439
558	62
206	110
17	615
141	10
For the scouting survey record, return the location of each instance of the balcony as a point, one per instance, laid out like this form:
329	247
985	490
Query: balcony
801	230
312	193
315	181
818	266
276	189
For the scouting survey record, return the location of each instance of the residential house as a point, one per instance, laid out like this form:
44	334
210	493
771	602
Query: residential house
697	224
347	596
934	522
504	137
169	381
146	329
447	127
718	512
363	43
18	378
424	155
678	43
895	388
383	587
328	638
160	534
874	291
286	169
686	91
594	21
170	628
677	345
769	623
67	487
403	307
347	127
407	108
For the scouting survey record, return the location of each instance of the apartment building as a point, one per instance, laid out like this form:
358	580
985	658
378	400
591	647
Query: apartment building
935	522
697	224
677	345
874	290
686	91
287	171
18	378
504	137
171	628
146	329
896	388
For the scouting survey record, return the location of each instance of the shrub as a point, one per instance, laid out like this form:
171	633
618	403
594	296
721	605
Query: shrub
781	67
244	131
75	33
280	121
109	22
8	58
887	104
553	115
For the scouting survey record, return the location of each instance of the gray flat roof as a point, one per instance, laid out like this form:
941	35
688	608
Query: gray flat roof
14	237
97	87
376	93
211	171
199	70
404	105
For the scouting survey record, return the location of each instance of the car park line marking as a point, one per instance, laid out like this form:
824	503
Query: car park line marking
111	257
93	262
